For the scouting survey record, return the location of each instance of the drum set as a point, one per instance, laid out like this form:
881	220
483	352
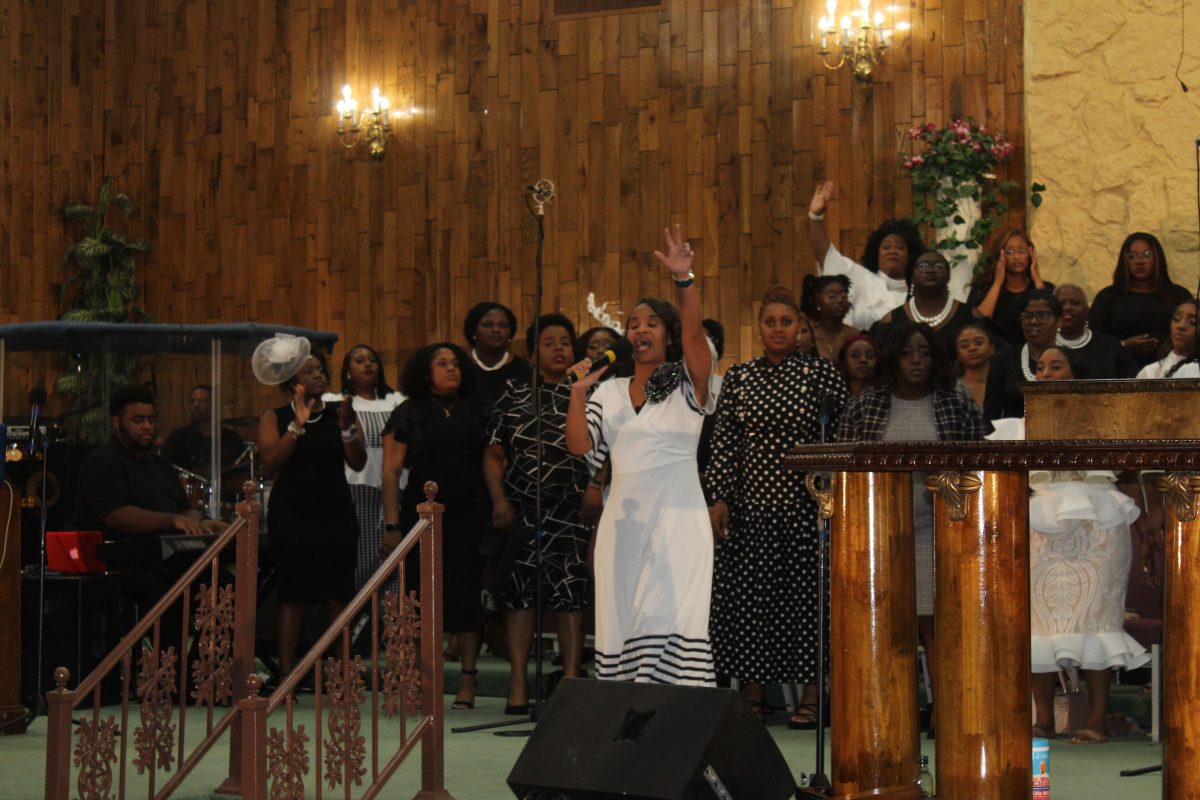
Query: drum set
223	504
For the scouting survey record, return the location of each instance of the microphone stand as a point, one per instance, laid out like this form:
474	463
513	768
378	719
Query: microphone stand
536	198
819	785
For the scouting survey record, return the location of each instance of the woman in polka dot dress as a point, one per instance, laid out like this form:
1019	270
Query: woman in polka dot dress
764	609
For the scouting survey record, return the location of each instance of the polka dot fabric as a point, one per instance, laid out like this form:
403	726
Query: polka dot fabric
763	624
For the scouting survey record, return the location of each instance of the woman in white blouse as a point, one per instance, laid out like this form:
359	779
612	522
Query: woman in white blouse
1183	347
878	283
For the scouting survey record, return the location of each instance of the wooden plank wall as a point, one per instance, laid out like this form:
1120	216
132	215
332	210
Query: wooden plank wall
217	118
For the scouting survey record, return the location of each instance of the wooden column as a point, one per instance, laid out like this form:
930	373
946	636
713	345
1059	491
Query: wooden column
981	690
873	636
1181	636
10	608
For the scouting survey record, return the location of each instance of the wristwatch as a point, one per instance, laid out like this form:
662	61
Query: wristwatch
351	433
295	430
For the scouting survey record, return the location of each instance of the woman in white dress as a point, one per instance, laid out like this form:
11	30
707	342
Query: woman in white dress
1079	552
654	545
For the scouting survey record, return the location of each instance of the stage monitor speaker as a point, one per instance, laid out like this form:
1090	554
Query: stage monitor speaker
598	740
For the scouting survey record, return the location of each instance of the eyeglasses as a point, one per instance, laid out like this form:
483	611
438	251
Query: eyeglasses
931	266
1010	252
1145	255
1037	316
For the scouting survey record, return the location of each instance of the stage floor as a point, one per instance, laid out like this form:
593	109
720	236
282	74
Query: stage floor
478	763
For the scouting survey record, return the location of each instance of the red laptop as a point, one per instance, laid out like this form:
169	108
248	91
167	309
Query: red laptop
74	551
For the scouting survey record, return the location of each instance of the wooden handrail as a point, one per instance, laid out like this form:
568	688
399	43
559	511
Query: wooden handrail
131	639
352	610
1177	454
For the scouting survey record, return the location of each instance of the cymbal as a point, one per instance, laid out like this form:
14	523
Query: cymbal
240	421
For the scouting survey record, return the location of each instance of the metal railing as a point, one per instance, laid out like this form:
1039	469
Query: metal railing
405	688
223	619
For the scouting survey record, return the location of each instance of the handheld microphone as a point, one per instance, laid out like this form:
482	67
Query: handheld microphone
37	398
621	349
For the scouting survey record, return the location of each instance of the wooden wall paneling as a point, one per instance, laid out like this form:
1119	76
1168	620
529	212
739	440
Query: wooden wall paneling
217	119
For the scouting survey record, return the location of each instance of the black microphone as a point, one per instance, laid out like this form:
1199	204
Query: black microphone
37	398
621	349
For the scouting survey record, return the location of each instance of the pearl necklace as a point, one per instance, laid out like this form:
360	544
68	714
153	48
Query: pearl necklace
1074	344
494	367
1029	376
934	321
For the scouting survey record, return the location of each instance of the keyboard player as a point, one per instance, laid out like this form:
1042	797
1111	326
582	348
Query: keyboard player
127	490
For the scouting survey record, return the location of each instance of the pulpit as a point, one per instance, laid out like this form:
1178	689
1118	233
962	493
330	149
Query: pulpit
981	503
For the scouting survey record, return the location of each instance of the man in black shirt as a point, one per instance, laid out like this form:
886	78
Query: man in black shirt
125	488
190	447
127	491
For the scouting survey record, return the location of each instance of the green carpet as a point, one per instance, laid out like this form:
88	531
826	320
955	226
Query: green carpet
478	763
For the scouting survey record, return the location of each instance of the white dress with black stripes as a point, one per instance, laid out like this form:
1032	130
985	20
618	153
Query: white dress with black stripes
654	545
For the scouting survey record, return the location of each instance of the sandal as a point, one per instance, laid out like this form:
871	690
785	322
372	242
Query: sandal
805	718
464	705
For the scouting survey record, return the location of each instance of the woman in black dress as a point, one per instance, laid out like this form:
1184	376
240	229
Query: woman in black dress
310	518
1137	307
763	623
439	433
1011	273
513	483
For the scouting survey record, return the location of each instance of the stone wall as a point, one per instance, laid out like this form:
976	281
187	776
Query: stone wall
1111	133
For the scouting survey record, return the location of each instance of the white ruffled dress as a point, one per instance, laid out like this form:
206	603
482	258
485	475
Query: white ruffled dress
1079	555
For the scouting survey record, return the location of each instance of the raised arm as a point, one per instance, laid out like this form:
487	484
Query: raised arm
579	441
696	355
818	235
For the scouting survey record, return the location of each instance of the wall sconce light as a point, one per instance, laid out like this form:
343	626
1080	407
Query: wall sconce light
860	41
370	126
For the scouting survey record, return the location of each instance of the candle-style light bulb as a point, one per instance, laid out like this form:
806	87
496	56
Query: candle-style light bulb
831	7
878	18
846	24
375	97
346	92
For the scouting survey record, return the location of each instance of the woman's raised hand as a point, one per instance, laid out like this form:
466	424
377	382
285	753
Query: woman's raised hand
302	407
346	414
678	258
820	198
1035	274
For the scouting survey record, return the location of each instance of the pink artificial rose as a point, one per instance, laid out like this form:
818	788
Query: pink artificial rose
918	161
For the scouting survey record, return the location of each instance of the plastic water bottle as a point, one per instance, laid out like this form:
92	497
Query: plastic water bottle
925	777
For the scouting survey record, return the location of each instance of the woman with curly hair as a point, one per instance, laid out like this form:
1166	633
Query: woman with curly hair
825	300
764	609
1137	307
439	433
654	547
878	281
1011	272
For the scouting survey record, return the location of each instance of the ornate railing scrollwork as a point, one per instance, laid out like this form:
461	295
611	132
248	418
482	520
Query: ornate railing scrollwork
287	762
400	638
154	740
823	496
954	487
346	747
1182	490
95	755
214	624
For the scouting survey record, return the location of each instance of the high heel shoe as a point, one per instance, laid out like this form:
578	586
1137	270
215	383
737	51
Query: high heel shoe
464	705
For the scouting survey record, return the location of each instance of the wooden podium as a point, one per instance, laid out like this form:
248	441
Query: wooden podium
981	505
10	610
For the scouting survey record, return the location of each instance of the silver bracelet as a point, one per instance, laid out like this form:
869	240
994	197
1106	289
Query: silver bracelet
350	434
295	430
816	217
